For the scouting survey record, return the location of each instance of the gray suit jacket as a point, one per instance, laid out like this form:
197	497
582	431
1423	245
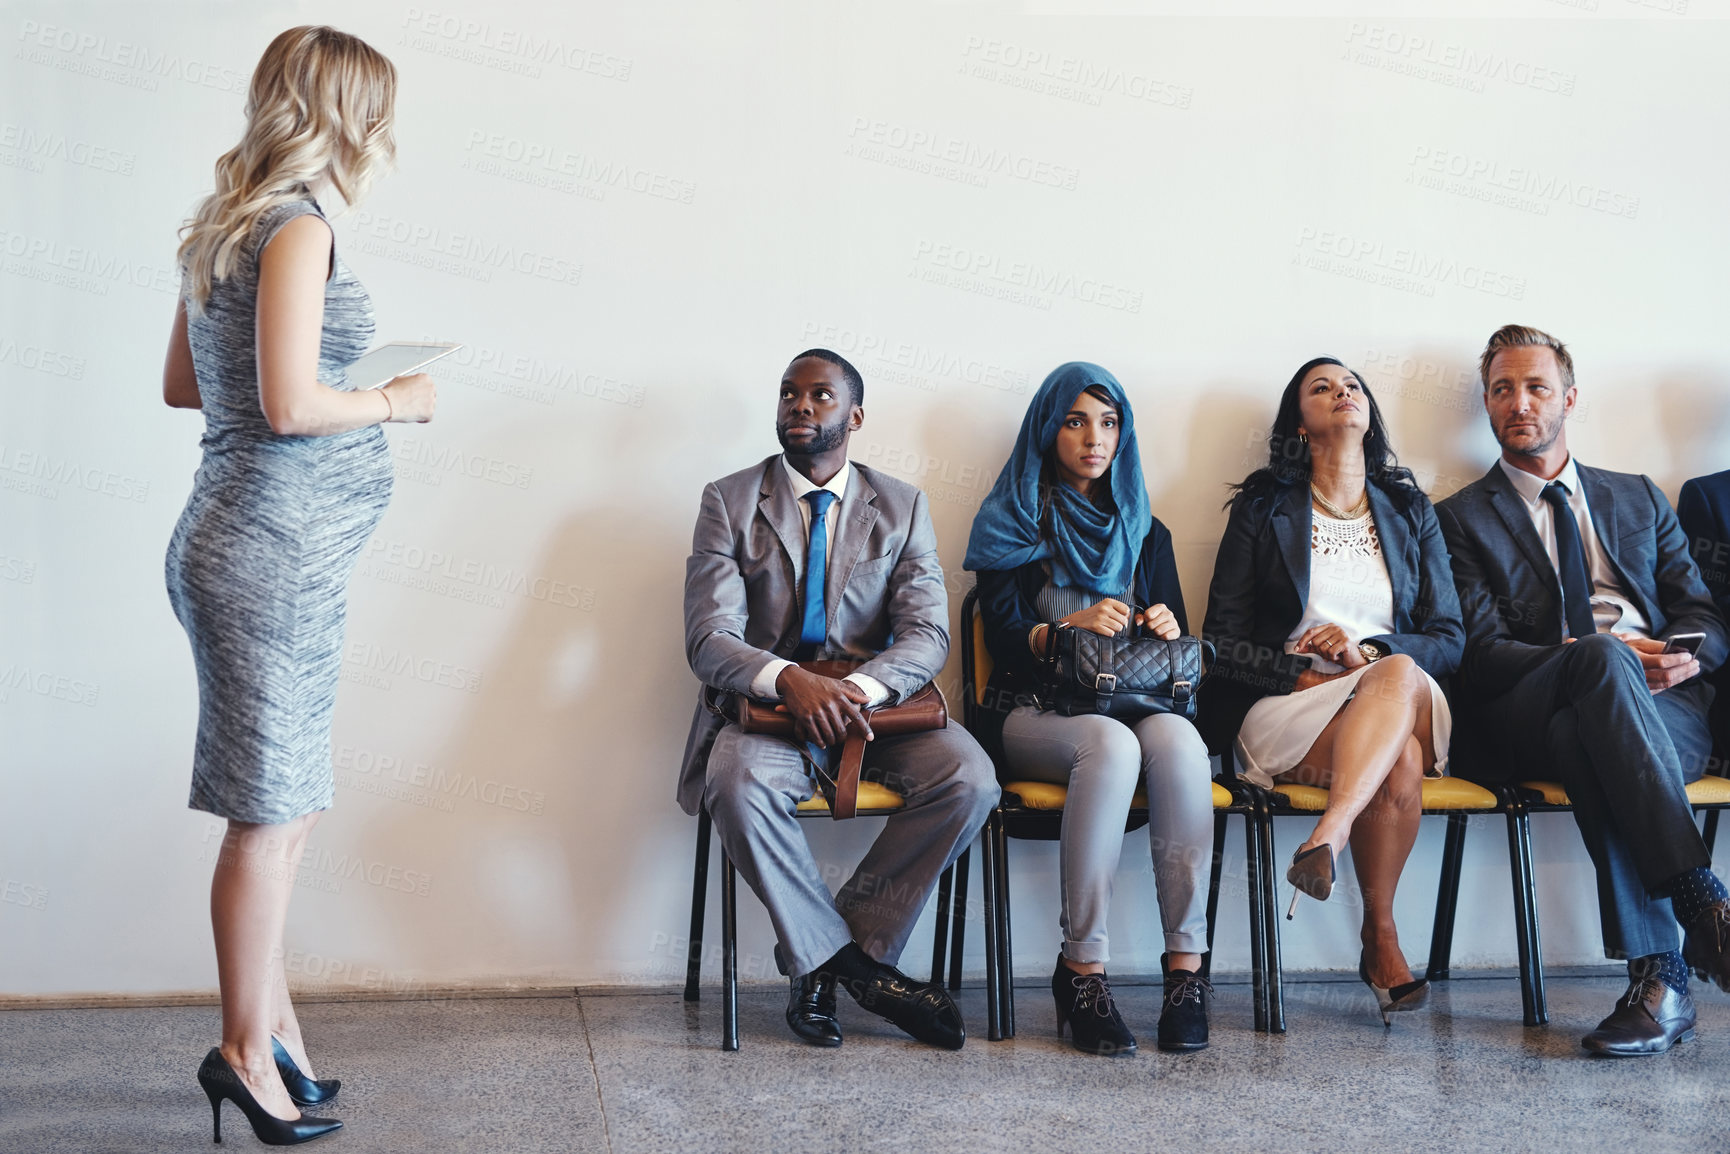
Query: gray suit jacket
1510	594
884	590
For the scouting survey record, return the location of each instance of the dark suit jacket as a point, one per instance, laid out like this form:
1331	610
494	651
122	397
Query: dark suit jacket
883	587
1512	598
1006	607
1703	508
1261	584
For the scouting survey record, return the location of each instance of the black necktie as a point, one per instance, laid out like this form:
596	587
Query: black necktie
1571	563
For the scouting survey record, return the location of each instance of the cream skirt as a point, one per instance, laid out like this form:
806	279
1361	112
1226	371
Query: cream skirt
1279	729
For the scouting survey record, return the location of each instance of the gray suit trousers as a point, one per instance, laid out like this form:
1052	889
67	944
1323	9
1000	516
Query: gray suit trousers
751	787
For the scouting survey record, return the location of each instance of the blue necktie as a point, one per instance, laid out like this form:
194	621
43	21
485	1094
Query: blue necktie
815	630
1571	563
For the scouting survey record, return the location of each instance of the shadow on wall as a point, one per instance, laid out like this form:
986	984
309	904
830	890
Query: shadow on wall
560	713
1694	419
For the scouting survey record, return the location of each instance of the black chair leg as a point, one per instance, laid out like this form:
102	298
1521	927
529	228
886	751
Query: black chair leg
958	903
1447	899
1710	834
1213	879
1270	908
1005	936
988	899
699	899
729	955
940	931
1540	1010
1258	923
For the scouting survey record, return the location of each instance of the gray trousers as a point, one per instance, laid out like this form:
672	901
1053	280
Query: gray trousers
754	782
1102	760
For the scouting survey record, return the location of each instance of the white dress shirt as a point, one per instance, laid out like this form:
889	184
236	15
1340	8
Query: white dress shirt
763	685
1612	609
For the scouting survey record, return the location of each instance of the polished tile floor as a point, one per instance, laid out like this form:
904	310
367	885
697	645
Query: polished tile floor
636	1072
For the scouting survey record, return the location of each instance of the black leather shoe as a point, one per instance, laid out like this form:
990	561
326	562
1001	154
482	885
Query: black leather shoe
1183	1017
811	1009
1084	1002
1706	949
1649	1019
922	1009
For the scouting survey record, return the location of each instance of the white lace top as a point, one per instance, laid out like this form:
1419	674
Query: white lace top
1349	583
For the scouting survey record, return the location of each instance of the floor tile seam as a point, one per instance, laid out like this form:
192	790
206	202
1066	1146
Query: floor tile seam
595	1072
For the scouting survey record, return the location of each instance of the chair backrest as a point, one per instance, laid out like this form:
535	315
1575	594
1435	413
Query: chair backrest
976	665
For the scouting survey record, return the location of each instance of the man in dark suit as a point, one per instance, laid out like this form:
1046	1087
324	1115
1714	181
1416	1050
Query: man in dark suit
1704	510
1572	580
776	576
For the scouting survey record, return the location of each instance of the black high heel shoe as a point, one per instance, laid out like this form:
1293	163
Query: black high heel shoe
305	1091
1084	1002
1312	873
220	1081
1406	996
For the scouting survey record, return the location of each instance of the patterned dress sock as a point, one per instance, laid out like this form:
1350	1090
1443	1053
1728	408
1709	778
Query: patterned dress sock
1692	892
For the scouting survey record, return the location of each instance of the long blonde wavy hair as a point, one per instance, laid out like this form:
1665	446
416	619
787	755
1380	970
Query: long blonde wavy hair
320	107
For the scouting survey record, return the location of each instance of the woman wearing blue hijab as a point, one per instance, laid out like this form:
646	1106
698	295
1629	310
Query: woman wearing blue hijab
1066	539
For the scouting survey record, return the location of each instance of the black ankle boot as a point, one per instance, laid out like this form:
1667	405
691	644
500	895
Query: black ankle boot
1084	1001
1183	1017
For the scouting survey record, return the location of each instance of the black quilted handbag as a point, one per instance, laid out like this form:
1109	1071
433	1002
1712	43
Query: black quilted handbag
1123	677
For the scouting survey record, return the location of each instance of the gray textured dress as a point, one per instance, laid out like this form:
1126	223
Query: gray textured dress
259	564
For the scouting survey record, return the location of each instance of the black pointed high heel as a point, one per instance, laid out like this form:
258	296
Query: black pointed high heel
1406	996
1311	873
220	1081
305	1091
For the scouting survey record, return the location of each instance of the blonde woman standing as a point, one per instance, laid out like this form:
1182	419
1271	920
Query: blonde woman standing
295	475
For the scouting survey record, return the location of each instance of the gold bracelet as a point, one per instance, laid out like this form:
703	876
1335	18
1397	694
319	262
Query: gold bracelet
390	409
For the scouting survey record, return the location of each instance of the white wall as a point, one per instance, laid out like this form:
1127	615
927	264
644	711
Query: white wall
1217	199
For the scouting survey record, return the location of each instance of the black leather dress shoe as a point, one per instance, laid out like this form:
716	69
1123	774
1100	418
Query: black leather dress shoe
922	1009
811	1009
1707	946
1649	1019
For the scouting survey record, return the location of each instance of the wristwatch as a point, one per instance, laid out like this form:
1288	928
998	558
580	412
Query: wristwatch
1372	651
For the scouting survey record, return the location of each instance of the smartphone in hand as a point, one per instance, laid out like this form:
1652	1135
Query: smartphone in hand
1688	643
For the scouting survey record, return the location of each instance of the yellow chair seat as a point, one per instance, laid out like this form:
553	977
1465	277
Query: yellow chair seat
1456	793
1047	795
872	797
1551	791
1706	791
1709	791
1440	793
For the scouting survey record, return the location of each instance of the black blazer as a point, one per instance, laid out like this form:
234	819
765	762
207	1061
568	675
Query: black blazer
1511	595
1006	608
1703	508
1261	583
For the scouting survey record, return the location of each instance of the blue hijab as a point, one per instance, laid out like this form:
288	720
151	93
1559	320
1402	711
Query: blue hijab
1089	549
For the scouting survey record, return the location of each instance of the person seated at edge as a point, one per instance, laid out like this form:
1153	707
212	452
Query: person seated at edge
776	576
1334	614
1065	539
1703	508
1572	579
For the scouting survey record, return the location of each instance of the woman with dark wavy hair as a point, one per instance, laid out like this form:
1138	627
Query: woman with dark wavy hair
1334	613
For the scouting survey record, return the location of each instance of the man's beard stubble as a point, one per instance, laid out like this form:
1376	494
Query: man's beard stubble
828	437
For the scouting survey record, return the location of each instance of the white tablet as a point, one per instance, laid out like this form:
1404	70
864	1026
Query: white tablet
397	359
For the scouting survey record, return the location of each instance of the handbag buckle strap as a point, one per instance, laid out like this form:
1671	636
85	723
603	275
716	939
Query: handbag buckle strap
1180	690
1105	683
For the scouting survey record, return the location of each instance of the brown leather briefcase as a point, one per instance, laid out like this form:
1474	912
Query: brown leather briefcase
921	711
